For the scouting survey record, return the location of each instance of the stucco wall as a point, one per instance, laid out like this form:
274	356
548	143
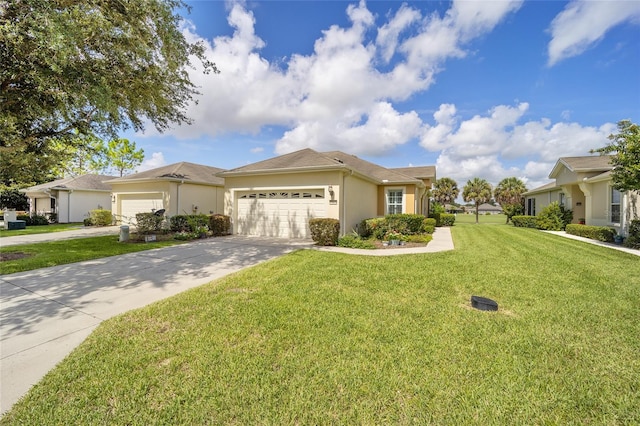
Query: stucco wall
80	203
208	199
361	202
543	199
600	204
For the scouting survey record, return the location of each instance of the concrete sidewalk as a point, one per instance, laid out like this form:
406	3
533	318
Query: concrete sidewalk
80	232
46	313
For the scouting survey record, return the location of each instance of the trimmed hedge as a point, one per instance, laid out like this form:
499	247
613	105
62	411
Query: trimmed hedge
524	221
101	217
447	219
220	224
188	222
600	233
33	220
429	225
325	231
404	223
437	217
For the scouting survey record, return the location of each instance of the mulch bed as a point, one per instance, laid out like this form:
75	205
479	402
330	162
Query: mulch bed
4	257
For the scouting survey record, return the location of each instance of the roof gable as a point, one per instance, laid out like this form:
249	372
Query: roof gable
186	171
593	163
88	182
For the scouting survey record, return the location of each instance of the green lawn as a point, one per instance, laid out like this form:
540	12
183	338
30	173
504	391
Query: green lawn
44	229
496	219
327	338
45	254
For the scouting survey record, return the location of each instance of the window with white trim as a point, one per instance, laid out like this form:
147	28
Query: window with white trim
395	201
615	205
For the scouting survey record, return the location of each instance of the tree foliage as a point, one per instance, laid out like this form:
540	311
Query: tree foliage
12	198
625	156
445	190
123	157
74	67
89	155
478	191
508	193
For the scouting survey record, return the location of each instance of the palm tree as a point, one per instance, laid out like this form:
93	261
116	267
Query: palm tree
508	194
477	190
445	190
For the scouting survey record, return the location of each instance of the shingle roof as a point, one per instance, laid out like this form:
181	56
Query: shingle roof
309	160
544	188
583	164
191	172
419	172
89	182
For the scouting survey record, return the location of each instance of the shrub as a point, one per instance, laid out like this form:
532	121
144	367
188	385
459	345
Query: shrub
428	225
554	217
524	221
406	224
324	231
600	233
419	238
220	224
354	241
188	223
33	220
100	217
148	223
633	239
447	219
87	221
179	223
436	216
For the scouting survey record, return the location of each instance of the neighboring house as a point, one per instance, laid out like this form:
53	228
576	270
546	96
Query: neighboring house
584	185
486	208
70	199
180	188
278	196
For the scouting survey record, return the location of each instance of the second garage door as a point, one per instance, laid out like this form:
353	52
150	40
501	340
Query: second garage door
279	213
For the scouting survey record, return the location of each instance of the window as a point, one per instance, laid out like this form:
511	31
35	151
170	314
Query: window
531	206
562	199
615	206
394	201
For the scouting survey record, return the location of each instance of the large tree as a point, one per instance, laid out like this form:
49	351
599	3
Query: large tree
478	191
445	190
89	155
508	194
625	156
74	67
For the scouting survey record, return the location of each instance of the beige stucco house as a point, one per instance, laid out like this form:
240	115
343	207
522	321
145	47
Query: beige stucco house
180	188
278	196
70	199
584	185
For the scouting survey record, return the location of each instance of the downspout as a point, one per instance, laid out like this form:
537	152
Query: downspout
343	224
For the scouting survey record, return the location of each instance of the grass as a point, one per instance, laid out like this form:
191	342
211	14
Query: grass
45	254
328	338
495	219
44	229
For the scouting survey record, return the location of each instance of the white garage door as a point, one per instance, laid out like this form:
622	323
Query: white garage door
141	203
282	213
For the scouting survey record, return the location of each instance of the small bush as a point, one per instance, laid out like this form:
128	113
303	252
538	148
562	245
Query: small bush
148	223
447	219
220	224
554	217
419	238
429	225
101	217
188	223
524	221
353	241
406	224
325	231
436	216
33	220
633	239
87	221
600	233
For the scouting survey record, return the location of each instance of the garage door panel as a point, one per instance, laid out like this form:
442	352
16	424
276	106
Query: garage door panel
279	217
131	206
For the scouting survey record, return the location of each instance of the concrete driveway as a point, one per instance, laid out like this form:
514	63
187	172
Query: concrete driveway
46	313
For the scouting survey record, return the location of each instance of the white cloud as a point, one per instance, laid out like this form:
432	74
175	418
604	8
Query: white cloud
256	150
156	160
480	145
583	23
336	94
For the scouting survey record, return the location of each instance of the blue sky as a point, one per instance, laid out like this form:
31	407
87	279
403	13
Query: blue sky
486	89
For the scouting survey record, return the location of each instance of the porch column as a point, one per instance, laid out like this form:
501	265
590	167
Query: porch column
586	190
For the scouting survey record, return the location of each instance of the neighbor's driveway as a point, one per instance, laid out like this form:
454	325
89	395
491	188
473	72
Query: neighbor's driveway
46	313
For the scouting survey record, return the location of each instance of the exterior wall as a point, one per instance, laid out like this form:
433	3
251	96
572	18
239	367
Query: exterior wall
543	199
360	202
64	203
41	205
184	198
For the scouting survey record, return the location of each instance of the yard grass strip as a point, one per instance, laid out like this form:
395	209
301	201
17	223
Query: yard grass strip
43	229
327	338
53	253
